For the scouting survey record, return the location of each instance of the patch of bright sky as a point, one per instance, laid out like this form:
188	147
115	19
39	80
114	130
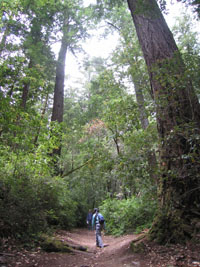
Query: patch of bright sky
96	46
175	9
100	47
89	2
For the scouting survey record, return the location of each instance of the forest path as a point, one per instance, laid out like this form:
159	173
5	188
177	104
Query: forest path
116	253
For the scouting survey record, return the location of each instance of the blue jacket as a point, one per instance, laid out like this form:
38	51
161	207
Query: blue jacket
89	216
95	215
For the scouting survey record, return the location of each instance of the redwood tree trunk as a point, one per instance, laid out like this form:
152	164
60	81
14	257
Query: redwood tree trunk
178	121
57	113
58	103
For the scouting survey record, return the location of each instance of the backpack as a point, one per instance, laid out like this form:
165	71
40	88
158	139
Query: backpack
101	219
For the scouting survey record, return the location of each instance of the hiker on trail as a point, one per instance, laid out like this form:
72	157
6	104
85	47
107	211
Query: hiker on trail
89	220
99	223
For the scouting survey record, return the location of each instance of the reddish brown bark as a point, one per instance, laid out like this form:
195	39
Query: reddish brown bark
178	120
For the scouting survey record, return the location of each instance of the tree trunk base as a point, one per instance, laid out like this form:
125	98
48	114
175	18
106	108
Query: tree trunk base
170	229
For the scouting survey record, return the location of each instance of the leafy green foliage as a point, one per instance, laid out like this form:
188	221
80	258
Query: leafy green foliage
188	42
35	199
128	215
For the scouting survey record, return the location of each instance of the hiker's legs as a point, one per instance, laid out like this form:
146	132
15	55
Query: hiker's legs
90	225
99	241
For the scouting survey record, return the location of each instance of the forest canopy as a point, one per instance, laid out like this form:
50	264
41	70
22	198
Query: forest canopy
125	138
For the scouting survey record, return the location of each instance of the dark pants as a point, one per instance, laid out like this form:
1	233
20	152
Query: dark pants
89	224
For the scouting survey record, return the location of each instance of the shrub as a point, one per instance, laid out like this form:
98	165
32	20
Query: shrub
123	216
31	200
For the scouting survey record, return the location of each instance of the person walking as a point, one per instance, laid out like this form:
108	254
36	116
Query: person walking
89	219
98	223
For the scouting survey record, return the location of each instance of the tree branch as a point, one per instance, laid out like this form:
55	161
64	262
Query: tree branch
79	167
116	28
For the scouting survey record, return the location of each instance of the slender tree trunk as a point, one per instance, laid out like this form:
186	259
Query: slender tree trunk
42	117
25	95
58	103
178	121
117	145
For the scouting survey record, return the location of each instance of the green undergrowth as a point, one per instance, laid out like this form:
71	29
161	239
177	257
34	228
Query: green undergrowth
31	199
128	215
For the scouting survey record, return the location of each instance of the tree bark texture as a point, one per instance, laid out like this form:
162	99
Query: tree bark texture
26	88
178	122
42	117
58	103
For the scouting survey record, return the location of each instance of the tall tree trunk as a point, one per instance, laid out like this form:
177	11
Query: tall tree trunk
35	35
178	121
26	89
42	117
58	103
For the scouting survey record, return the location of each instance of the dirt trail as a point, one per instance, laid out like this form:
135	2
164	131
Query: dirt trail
116	254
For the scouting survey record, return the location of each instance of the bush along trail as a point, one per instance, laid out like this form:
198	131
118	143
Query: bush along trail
77	248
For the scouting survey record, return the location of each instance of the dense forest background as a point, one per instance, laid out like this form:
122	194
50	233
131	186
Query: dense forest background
66	149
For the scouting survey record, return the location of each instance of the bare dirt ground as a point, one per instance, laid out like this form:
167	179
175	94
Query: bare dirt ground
116	254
